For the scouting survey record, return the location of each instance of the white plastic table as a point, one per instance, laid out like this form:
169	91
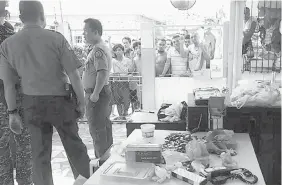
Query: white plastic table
245	158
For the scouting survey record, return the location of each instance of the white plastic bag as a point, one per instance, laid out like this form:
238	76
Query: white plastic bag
255	94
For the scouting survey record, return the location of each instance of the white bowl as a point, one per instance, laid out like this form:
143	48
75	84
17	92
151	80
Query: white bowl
148	130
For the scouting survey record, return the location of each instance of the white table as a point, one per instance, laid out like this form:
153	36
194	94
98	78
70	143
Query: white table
245	158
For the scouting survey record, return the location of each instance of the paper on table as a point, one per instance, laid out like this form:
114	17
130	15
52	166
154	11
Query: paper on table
172	157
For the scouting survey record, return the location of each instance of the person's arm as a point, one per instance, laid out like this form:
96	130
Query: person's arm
10	78
204	52
77	86
167	63
248	35
166	67
102	68
71	64
188	61
183	52
100	81
132	67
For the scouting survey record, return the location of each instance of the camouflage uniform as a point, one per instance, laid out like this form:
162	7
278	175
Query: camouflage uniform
23	148
22	141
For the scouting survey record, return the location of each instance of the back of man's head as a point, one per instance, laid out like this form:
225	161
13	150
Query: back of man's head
31	11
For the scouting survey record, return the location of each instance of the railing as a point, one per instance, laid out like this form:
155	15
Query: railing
126	96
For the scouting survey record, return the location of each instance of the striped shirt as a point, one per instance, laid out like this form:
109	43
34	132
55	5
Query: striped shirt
178	63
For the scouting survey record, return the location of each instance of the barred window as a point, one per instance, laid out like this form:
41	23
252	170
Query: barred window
78	39
261	46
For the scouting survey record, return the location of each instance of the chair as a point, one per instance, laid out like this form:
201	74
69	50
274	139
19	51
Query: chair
216	109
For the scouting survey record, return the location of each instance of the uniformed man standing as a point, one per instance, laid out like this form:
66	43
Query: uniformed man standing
46	63
96	84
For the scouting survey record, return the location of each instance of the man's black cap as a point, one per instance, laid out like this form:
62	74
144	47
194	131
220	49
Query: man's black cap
30	8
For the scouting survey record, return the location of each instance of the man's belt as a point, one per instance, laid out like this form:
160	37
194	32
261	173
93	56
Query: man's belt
89	91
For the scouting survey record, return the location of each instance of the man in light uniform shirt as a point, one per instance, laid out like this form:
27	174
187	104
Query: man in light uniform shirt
96	84
45	63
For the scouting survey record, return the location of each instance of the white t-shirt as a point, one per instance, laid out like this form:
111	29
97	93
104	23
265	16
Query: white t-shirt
178	63
121	67
195	54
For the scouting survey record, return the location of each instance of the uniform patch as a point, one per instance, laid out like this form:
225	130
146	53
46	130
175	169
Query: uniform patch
98	53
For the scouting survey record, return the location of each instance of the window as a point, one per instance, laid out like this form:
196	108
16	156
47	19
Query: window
53	28
261	46
78	39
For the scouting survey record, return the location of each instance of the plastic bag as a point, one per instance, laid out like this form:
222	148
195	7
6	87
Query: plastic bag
173	113
255	94
196	150
263	98
222	139
244	89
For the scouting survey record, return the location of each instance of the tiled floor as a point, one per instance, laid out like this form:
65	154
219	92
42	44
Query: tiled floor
62	173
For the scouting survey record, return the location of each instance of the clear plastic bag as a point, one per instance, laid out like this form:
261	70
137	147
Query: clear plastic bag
255	94
196	150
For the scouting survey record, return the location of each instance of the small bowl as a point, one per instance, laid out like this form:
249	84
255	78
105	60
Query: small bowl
148	130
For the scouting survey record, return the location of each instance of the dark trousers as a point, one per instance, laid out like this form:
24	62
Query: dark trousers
41	113
14	149
100	125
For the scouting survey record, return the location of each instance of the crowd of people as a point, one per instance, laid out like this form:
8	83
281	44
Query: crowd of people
181	56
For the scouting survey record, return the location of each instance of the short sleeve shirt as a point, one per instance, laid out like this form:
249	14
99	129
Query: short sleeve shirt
123	66
178	63
41	58
98	59
195	57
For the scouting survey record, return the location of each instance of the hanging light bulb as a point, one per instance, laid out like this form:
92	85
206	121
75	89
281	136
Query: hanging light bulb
183	4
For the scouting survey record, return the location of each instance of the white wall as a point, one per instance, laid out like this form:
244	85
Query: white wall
176	89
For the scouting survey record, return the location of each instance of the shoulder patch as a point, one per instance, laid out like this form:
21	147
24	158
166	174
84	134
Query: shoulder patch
98	53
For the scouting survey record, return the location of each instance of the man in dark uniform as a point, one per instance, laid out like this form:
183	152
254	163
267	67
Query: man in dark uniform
96	84
20	149
46	63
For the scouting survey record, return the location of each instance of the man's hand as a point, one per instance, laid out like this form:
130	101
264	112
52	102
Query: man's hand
94	97
15	123
80	110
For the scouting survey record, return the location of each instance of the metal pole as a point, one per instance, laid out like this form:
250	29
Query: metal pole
61	12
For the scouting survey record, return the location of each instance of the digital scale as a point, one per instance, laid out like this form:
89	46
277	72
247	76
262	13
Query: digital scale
202	95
